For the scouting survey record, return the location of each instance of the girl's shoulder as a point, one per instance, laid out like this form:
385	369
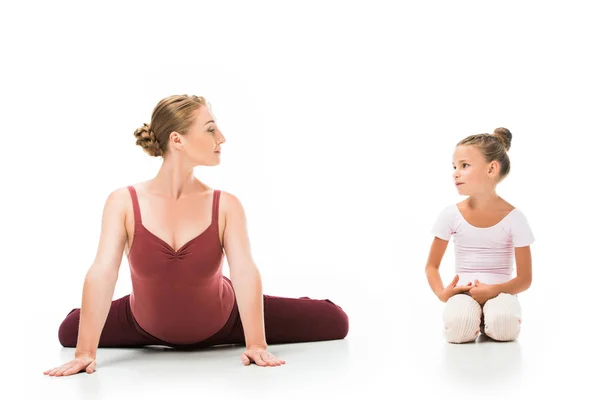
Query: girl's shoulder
449	214
516	218
449	210
517	215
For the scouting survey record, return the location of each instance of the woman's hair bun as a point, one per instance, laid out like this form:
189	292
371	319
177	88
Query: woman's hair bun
147	140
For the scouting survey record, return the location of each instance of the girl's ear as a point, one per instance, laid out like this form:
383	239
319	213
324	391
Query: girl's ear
493	168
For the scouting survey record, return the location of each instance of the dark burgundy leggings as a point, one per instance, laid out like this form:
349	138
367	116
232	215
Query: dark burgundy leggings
287	320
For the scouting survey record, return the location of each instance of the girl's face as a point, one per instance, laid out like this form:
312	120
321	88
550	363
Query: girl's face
472	173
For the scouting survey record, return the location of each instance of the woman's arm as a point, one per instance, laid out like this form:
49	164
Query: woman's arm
245	276
99	285
101	278
522	281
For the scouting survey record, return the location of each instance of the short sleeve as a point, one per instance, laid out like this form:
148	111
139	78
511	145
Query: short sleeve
442	227
520	230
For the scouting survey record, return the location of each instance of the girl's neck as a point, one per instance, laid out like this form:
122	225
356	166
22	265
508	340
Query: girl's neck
484	201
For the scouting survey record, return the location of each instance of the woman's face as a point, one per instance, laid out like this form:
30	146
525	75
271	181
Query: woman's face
202	143
472	173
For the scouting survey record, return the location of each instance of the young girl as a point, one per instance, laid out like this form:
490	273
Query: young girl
489	235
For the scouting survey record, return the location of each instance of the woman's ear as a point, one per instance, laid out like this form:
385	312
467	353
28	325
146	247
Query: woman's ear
176	140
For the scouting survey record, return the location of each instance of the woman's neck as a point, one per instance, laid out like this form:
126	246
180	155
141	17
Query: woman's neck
173	180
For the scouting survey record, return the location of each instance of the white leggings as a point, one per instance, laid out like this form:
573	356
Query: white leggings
464	318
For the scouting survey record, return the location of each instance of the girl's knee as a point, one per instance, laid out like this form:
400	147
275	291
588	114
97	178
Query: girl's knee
461	331
502	316
503	328
462	319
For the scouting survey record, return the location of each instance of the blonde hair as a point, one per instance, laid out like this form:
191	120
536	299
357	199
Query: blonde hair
171	114
494	147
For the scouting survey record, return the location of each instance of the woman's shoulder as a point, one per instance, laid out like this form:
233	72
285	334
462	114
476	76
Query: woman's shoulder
120	194
132	188
123	195
117	203
229	202
231	209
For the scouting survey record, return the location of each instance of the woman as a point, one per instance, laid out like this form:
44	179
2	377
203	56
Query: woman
175	231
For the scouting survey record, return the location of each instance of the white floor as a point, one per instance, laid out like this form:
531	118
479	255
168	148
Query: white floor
400	356
395	344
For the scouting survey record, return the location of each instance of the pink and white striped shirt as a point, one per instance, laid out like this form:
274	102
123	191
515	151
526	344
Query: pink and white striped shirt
486	254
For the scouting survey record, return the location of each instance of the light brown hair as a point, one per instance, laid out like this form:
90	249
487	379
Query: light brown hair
171	114
494	147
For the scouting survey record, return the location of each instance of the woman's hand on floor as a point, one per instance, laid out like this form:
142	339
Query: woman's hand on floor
79	363
260	356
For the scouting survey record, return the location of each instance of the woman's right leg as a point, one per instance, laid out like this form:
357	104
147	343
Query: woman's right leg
462	319
120	329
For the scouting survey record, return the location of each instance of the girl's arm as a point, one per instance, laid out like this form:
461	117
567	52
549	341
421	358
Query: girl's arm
432	270
522	281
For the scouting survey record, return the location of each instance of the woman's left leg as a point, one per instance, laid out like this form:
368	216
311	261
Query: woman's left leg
290	320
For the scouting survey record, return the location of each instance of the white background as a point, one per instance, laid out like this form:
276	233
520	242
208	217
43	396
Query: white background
340	120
